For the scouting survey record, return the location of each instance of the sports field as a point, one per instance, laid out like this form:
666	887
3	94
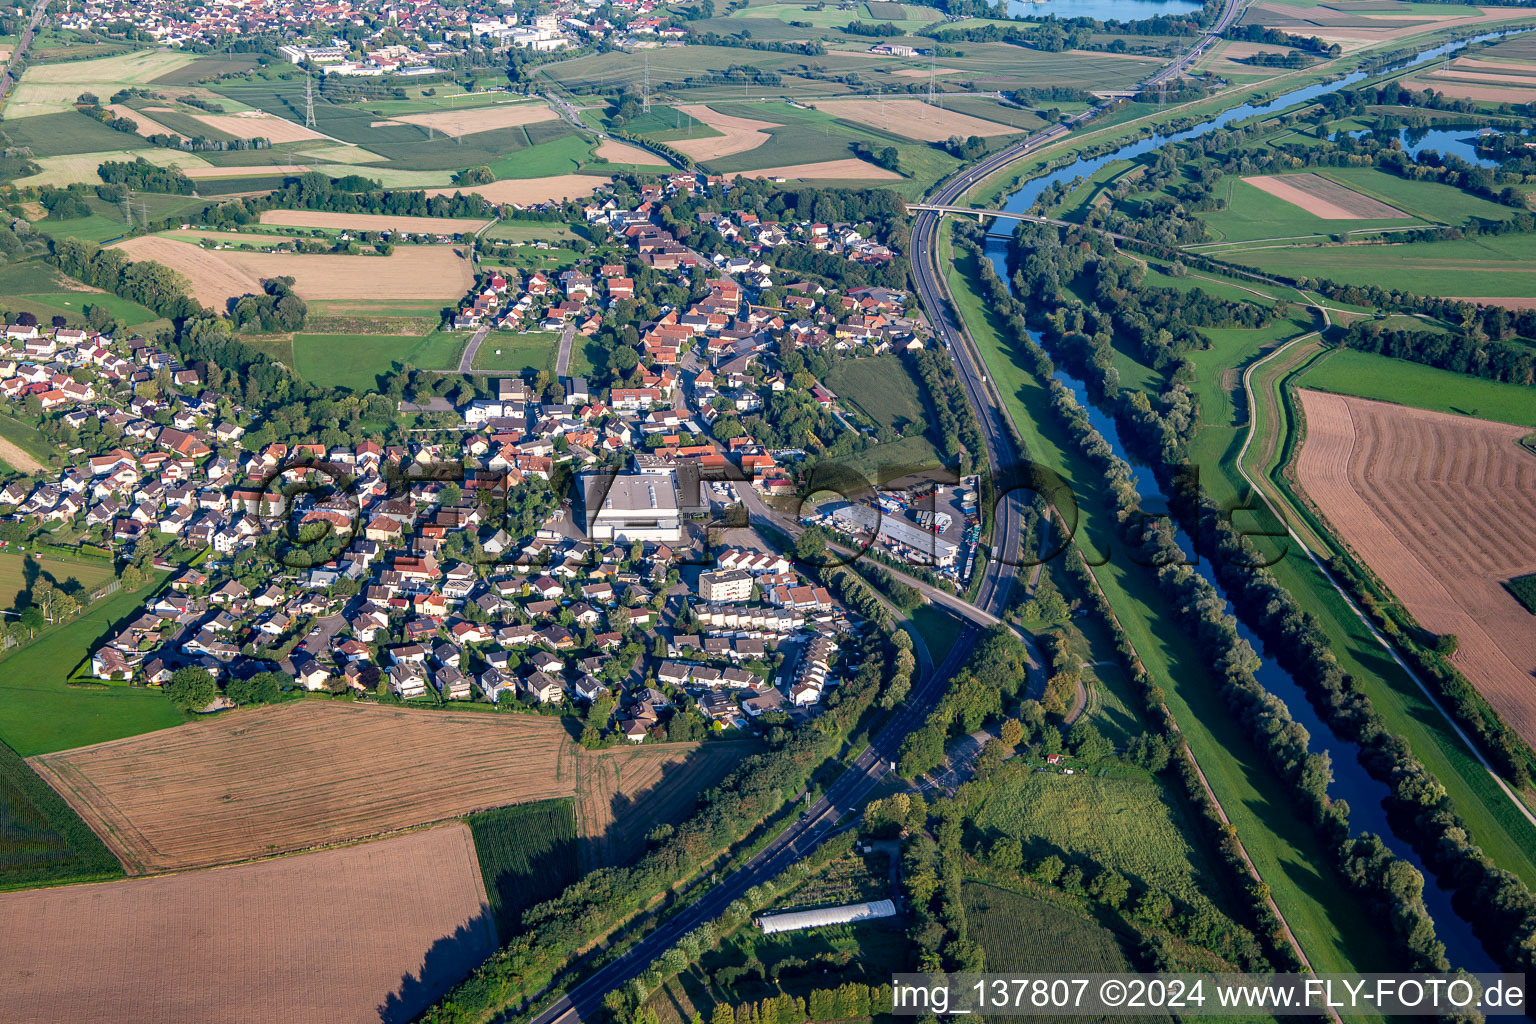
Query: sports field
256	782
362	934
18	571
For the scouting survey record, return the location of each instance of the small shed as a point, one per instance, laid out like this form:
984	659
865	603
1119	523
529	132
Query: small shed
821	917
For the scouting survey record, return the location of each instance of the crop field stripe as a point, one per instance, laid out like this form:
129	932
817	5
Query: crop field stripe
527	854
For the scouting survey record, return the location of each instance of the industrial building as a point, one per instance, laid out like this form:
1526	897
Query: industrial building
631	507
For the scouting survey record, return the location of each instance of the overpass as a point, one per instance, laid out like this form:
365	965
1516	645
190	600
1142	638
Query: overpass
982	214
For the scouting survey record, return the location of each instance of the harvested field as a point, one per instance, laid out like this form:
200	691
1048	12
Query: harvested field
1506	302
82	168
1492	76
624	153
913	118
256	782
528	191
923	72
146	124
1417	493
1465	91
737	134
612	824
1479	64
1353	30
849	169
1323	198
338	936
257	124
412	272
241	172
18	459
478	119
371	221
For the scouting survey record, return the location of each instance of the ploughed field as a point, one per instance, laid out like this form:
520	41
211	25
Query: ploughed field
365	933
253	783
1443	509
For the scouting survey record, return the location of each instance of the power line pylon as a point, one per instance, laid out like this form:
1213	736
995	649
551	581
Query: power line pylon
309	100
645	84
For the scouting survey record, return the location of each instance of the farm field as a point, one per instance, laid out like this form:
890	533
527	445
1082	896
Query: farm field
1131	824
1495	823
624	153
473	120
394	923
81	168
613	817
1370	375
45	842
52	88
1357	28
1020	933
847	169
356	360
372	222
527	855
914	119
1493	265
252	783
1413	491
529	191
412	272
1325	199
729	134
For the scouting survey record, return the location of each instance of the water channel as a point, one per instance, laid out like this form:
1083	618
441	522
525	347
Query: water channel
1351	782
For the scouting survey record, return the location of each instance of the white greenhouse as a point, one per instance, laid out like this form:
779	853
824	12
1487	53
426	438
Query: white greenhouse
823	916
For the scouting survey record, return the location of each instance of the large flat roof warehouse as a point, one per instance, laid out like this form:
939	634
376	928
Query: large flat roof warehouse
631	506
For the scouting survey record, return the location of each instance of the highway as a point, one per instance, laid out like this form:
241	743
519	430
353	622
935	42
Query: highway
850	790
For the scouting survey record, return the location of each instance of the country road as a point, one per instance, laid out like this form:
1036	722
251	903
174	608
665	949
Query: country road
563	358
38	13
467	360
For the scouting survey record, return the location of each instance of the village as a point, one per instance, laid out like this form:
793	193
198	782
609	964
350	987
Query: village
556	548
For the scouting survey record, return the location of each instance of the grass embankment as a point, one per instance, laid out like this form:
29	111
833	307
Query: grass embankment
1332	928
527	855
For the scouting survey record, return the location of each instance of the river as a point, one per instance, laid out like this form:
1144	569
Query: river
1351	781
